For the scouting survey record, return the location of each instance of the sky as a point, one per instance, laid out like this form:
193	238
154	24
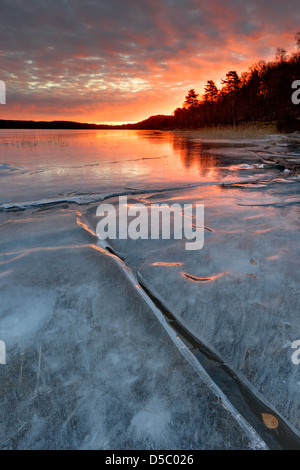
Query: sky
108	61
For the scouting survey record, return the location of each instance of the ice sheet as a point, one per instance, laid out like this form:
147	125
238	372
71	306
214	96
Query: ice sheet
239	294
88	364
91	361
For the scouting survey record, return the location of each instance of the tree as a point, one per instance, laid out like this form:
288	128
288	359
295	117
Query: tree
252	93
191	100
281	55
180	117
211	91
231	85
209	98
191	104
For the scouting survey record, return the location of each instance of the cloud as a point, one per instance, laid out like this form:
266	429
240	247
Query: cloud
125	59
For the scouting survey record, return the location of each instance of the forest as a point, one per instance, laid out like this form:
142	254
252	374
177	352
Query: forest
263	94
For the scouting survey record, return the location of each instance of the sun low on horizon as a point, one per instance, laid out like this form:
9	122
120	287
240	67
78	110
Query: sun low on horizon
125	60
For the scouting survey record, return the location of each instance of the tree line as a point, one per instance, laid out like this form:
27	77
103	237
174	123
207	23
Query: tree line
262	94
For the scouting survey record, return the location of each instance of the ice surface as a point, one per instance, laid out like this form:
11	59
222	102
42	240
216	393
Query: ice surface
240	293
90	362
62	165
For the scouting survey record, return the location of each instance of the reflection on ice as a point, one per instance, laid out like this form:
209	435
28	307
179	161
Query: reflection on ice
202	279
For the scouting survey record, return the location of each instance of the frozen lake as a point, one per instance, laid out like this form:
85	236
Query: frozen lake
141	344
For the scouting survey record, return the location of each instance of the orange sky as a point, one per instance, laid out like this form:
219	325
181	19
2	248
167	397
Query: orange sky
124	60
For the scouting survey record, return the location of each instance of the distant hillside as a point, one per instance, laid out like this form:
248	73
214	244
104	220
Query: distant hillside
152	123
160	121
12	124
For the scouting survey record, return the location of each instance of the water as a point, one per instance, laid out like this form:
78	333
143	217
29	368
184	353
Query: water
92	360
38	164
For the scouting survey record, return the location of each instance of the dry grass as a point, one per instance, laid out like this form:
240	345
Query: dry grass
244	131
24	140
